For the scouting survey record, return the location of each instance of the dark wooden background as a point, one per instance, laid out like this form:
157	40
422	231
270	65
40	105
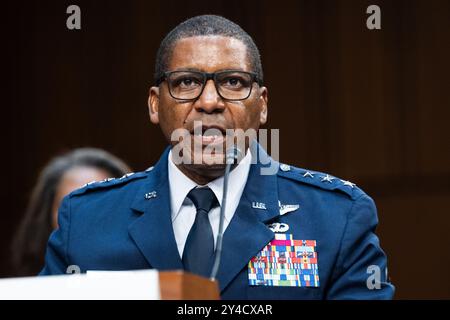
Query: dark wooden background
368	106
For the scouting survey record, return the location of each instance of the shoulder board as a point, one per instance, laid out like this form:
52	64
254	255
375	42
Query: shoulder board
320	180
110	182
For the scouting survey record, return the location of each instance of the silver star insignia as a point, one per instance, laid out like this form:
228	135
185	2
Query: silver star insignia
127	175
308	174
348	183
327	178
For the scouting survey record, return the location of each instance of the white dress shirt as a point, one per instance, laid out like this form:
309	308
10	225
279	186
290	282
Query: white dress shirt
184	211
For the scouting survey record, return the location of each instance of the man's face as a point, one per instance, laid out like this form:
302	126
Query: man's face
207	54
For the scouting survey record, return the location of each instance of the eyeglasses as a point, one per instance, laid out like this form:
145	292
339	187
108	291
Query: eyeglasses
189	85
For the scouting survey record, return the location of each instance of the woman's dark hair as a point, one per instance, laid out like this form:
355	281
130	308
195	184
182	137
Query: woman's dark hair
30	241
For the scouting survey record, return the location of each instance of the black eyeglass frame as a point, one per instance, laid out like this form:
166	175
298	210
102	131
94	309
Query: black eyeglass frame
209	76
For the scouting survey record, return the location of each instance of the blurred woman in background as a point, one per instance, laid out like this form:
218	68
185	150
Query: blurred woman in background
60	176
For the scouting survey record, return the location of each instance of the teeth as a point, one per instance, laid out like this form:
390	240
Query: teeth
208	138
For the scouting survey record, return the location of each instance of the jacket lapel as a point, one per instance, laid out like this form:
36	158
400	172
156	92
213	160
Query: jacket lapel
245	236
247	233
152	231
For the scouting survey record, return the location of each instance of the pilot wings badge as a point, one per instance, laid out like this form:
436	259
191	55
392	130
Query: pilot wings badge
286	208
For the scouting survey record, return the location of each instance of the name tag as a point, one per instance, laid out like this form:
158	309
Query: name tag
285	262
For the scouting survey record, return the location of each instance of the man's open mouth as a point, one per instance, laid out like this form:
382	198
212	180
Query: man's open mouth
209	135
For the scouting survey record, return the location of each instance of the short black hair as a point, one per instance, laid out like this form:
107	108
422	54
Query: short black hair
206	25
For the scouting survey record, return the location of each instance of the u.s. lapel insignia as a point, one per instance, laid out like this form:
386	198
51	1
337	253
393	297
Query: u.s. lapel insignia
279	227
285	262
286	208
259	205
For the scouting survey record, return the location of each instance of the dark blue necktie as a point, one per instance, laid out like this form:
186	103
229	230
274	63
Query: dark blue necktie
198	254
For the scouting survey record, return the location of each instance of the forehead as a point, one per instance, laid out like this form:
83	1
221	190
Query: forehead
209	54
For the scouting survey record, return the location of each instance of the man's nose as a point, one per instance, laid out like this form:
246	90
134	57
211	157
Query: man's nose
209	101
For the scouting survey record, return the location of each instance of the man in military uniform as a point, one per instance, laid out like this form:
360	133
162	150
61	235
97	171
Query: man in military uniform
294	234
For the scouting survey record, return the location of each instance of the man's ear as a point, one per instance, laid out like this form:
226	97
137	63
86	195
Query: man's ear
153	104
263	97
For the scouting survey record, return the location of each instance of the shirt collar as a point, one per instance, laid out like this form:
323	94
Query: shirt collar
180	185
